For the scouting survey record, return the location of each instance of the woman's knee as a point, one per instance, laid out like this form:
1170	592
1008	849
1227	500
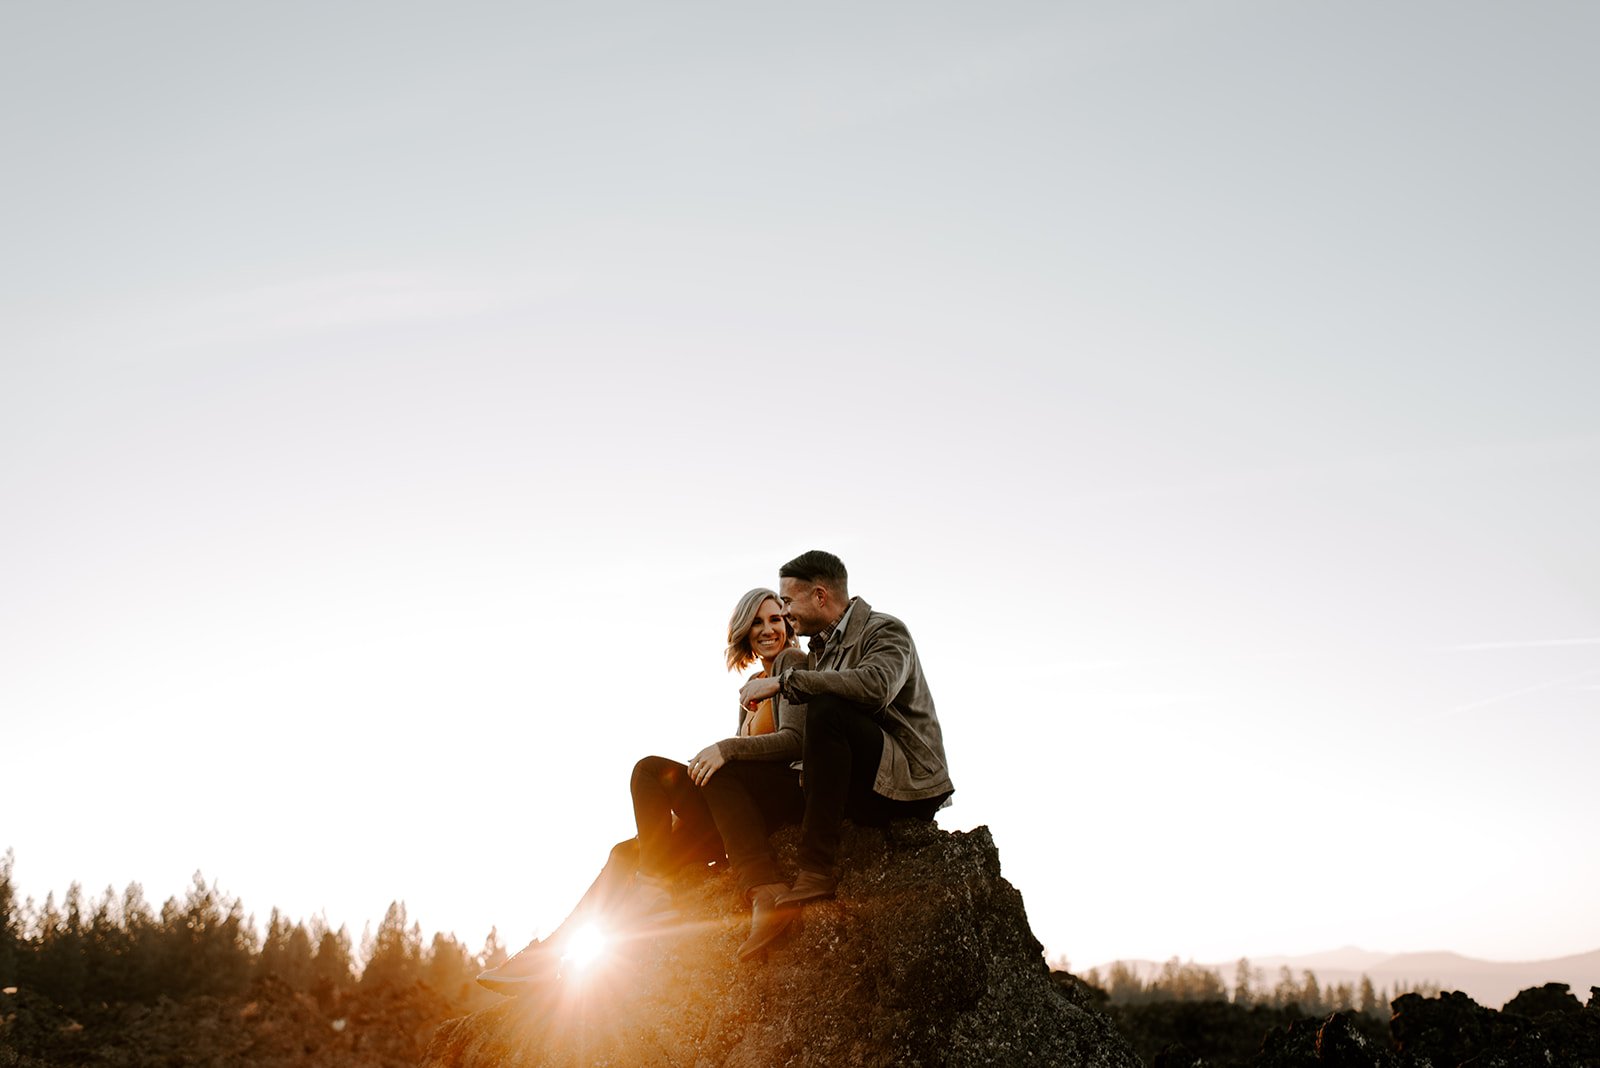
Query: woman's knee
722	782
655	771
624	855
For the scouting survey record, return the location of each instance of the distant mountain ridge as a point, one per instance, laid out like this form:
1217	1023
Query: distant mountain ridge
1490	983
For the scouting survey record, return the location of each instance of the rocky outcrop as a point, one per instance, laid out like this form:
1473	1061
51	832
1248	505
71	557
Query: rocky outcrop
1449	1031
924	958
1564	1034
269	1025
1538	1000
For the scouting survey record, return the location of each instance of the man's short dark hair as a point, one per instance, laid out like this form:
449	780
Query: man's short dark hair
818	568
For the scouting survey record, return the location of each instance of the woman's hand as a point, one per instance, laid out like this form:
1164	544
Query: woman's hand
705	764
755	691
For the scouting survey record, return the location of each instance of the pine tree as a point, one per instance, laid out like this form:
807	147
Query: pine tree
1243	994
395	951
106	950
274	947
1369	998
1124	986
448	968
142	939
10	922
208	948
330	967
297	959
1311	996
59	968
493	953
1287	992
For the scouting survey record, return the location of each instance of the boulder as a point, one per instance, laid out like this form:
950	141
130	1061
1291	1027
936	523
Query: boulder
1538	1000
1447	1030
924	958
1343	1043
1559	1039
1290	1047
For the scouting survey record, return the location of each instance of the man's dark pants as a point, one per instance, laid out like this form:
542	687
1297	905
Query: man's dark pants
844	745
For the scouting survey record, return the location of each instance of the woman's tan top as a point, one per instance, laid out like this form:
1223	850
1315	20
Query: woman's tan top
761	720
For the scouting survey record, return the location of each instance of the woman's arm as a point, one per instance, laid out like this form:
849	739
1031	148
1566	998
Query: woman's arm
787	741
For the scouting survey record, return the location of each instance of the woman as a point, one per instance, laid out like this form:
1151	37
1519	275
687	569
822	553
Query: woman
676	826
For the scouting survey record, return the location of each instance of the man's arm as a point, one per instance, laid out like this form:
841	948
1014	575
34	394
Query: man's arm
882	670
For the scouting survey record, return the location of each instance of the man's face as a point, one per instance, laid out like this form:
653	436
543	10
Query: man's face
805	605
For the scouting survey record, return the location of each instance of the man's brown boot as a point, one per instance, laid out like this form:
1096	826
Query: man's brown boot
808	886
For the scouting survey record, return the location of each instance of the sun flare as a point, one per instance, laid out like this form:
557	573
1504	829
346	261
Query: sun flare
587	945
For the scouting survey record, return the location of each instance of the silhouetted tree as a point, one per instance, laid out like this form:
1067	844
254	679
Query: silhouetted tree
10	922
330	966
1369	1003
286	952
1124	985
394	953
1287	992
297	962
58	967
1243	989
1310	995
206	945
493	953
448	968
140	973
106	951
1186	982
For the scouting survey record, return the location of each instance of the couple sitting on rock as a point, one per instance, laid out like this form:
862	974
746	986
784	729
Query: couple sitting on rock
854	712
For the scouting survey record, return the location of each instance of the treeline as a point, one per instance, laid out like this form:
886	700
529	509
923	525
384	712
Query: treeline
1181	981
118	948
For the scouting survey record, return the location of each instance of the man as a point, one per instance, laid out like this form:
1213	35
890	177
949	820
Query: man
873	748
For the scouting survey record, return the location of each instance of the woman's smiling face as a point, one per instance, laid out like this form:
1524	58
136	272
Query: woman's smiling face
768	633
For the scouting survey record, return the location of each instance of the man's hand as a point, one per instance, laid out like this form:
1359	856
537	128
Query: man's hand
705	764
755	691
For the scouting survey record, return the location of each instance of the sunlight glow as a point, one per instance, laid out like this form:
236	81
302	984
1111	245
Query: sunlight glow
587	944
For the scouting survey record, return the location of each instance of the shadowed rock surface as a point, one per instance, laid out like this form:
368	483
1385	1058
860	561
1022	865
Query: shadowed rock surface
1536	1001
925	958
268	1026
1449	1031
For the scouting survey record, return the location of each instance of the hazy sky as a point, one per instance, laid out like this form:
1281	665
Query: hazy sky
395	399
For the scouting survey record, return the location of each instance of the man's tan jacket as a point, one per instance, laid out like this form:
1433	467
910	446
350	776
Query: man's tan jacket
875	665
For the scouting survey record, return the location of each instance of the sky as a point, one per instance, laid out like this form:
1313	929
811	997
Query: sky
395	399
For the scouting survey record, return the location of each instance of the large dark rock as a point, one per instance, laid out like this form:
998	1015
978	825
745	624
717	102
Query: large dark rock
1222	1034
1448	1029
1291	1047
1560	1039
1338	1041
1343	1043
1538	1000
925	958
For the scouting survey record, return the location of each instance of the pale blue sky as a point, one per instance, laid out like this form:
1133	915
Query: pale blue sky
394	399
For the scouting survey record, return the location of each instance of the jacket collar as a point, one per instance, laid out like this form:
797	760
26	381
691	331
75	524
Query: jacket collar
857	624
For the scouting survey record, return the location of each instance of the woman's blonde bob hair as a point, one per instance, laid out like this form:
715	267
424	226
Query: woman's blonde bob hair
740	655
